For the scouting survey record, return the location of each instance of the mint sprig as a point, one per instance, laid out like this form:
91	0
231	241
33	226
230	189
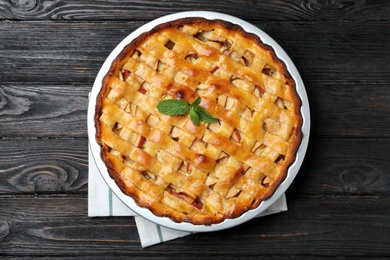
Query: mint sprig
197	113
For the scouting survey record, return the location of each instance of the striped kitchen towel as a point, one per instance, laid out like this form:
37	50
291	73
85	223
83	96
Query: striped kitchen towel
102	202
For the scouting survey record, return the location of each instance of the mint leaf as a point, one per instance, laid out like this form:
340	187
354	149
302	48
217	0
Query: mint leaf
173	107
204	116
194	116
196	102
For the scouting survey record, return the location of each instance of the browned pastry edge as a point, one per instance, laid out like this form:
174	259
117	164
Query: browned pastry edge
206	220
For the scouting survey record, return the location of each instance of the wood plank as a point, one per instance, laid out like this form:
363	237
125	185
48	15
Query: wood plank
57	53
43	110
329	53
36	166
60	227
348	111
331	167
344	167
146	10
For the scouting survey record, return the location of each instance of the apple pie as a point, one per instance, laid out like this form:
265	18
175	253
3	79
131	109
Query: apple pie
231	145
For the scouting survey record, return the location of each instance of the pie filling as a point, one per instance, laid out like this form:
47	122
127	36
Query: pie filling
199	172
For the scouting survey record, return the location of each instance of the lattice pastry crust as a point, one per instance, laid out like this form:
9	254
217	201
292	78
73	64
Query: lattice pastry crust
207	173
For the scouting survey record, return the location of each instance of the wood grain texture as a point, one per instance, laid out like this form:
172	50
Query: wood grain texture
338	205
344	167
29	166
142	10
57	53
43	111
4	229
72	53
59	227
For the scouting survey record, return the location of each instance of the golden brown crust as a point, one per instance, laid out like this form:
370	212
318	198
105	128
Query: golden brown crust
215	171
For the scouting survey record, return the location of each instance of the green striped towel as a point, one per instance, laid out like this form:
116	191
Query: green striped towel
102	202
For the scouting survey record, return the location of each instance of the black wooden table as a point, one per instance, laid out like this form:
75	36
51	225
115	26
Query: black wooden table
339	204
